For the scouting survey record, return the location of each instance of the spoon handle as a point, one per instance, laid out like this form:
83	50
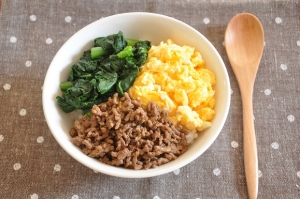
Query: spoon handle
250	150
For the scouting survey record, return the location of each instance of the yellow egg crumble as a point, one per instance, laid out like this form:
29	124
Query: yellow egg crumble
175	77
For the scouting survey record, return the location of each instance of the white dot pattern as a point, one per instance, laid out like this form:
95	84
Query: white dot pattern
267	92
32	18
216	172
298	43
1	138
28	63
40	139
176	172
156	197
6	87
49	41
275	145
259	173
278	20
17	166
291	118
283	66
75	197
206	20
298	174
23	112
13	39
68	19
116	197
34	196
234	144
57	167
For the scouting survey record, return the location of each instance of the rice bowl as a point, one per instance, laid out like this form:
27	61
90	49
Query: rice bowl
130	24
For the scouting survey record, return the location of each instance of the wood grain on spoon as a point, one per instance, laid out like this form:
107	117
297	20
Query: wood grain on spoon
244	43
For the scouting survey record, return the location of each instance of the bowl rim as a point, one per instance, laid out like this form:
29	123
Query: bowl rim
128	173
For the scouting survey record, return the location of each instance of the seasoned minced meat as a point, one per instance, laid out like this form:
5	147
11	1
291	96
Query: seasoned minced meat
121	133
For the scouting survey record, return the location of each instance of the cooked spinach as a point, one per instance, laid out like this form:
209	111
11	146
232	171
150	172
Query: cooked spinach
126	79
105	80
110	66
112	43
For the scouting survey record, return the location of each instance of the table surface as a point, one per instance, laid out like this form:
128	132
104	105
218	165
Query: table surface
33	165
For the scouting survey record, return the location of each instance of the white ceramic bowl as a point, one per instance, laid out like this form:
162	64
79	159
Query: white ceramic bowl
147	26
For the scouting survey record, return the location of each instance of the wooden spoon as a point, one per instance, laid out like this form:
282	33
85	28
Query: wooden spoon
244	43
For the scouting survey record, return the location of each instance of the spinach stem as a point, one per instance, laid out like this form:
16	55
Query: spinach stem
131	42
126	52
85	75
65	85
97	52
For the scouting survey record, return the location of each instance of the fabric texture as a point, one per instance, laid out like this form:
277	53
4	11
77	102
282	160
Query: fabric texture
33	165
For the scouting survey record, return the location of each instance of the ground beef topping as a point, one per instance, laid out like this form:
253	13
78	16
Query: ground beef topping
121	133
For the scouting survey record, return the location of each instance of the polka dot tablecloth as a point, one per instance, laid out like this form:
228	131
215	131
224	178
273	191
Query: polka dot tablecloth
33	165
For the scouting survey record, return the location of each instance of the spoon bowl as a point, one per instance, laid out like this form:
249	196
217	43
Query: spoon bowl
244	40
244	43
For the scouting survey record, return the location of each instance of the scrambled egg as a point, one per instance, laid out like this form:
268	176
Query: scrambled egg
175	78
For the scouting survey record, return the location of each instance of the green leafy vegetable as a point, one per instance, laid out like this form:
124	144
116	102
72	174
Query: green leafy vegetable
105	80
126	52
126	79
141	52
113	43
131	42
110	66
65	85
97	52
84	68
